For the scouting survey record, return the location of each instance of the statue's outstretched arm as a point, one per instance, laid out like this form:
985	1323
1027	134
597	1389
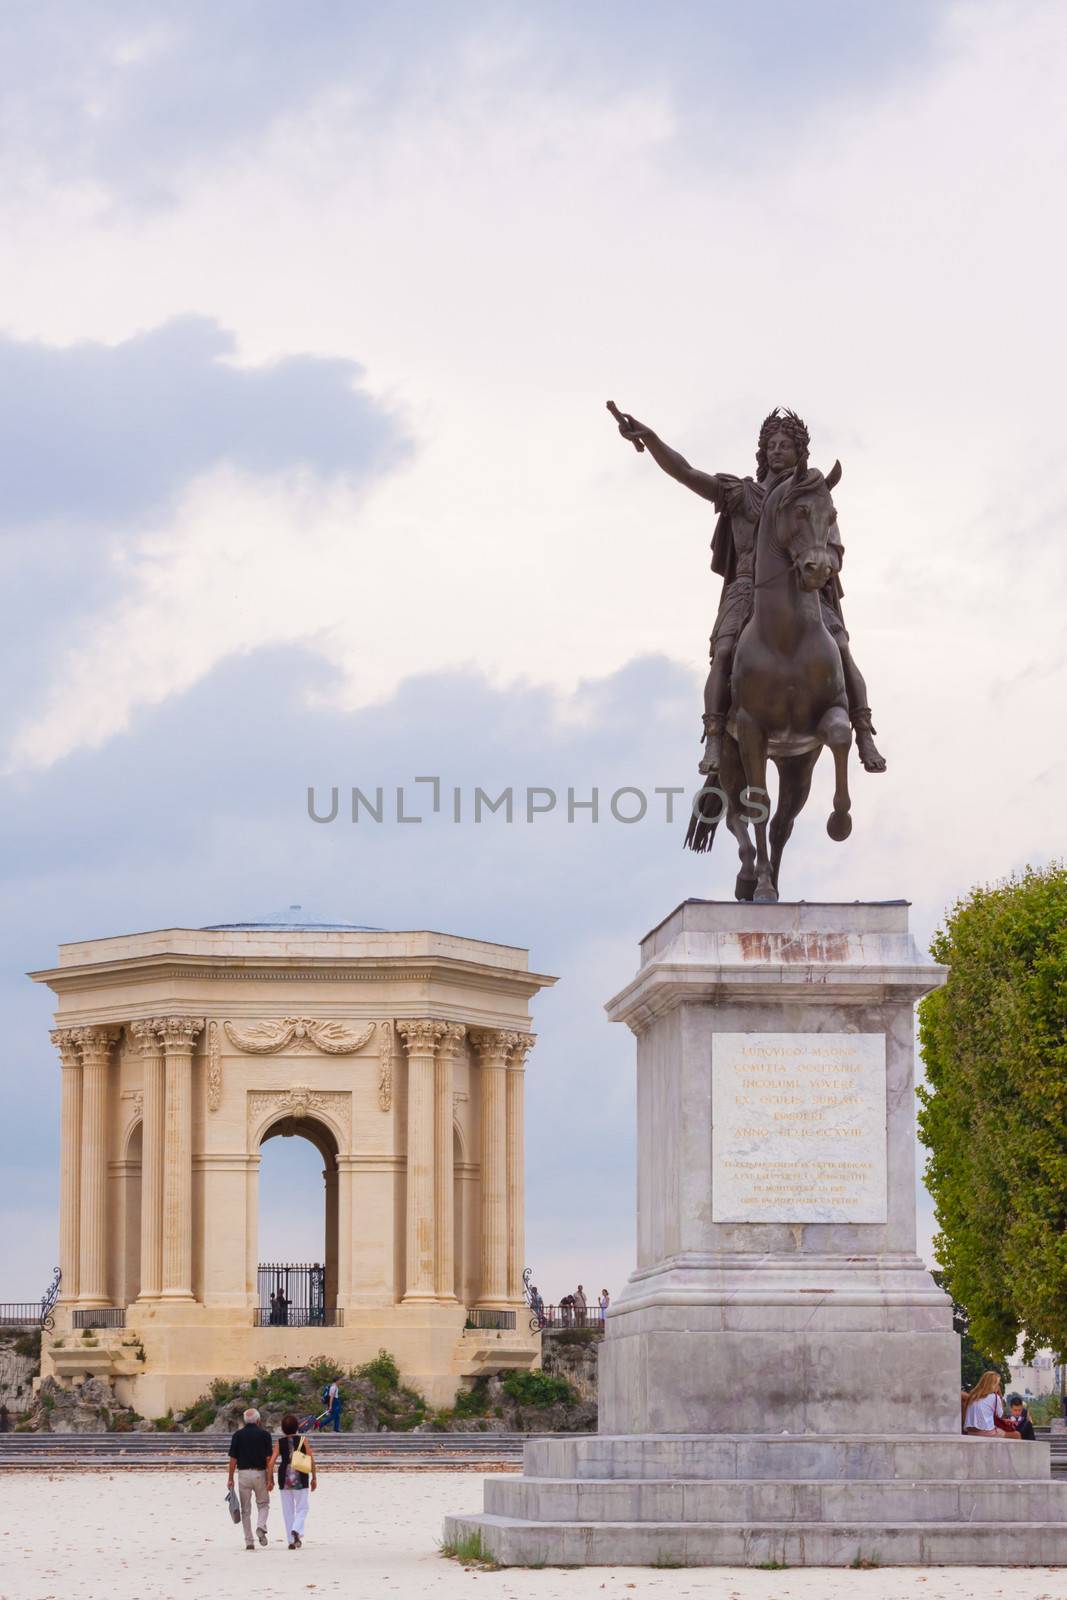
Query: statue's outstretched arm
706	484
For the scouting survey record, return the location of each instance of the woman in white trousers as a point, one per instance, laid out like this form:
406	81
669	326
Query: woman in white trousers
293	1486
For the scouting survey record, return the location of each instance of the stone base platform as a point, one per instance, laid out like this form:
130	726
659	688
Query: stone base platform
743	1500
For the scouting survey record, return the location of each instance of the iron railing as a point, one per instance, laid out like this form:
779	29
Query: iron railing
299	1317
568	1317
30	1314
24	1314
288	1286
487	1317
101	1317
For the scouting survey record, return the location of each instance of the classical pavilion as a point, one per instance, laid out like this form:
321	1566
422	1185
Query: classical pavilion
401	1056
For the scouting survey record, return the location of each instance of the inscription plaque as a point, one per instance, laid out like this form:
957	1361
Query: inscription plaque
798	1127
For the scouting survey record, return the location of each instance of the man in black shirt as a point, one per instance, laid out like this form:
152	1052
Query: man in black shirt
250	1451
1020	1415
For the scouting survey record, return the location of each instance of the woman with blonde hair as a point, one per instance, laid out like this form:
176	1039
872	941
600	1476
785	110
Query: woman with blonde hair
984	1406
292	1483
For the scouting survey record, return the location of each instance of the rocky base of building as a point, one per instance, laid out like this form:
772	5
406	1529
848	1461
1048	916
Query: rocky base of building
375	1400
752	1500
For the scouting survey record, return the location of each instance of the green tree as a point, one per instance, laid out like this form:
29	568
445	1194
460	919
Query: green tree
994	1111
972	1362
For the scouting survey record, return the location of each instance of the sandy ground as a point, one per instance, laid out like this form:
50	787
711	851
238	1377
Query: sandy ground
139	1535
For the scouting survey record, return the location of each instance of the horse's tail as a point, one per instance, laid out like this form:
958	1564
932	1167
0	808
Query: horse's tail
704	818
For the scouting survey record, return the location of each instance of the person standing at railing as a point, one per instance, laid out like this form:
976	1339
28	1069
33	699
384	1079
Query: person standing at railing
604	1302
580	1305
537	1304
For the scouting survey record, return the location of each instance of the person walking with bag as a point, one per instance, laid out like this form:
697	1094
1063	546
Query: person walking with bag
294	1463
250	1458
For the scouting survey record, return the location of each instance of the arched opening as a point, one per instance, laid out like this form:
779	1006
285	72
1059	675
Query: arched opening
298	1225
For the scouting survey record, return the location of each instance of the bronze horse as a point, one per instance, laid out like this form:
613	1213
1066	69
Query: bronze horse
788	695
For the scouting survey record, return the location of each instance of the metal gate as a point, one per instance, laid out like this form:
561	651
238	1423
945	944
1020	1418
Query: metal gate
293	1294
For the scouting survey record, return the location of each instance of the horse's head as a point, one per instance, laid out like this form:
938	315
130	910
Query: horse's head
805	516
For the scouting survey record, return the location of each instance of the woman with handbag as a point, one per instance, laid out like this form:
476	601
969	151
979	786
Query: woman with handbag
985	1410
294	1464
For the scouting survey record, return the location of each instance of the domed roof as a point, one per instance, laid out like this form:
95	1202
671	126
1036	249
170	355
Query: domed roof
293	919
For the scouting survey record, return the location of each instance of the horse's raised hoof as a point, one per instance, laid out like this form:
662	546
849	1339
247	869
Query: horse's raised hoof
745	887
839	825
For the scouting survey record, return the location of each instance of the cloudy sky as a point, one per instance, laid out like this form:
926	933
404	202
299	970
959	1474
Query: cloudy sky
308	318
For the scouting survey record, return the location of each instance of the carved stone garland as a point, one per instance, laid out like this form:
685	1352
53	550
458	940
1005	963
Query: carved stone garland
386	1046
214	1068
267	1038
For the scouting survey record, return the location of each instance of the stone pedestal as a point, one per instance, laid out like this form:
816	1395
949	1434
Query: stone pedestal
779	1379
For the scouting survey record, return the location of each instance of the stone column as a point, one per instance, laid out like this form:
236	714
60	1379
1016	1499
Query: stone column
70	1142
444	1173
345	1179
179	1040
95	1046
493	1048
146	1034
420	1039
516	1162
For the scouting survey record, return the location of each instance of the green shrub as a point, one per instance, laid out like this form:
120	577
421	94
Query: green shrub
29	1344
537	1389
472	1402
1043	1409
322	1370
468	1549
281	1390
382	1372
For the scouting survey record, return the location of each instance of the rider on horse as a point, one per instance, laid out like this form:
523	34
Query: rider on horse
782	446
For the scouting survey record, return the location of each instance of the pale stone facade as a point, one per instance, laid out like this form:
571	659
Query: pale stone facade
400	1056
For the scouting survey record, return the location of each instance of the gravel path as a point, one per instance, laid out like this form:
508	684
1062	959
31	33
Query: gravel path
132	1536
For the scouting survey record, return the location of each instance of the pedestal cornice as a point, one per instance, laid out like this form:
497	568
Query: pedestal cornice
719	952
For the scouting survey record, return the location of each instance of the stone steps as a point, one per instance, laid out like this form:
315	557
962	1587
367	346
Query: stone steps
758	1501
891	1544
795	1457
207	1451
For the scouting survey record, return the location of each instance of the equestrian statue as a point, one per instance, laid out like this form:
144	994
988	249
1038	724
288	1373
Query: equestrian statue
783	682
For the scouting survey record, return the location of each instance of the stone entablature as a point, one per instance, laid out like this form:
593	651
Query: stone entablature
400	1056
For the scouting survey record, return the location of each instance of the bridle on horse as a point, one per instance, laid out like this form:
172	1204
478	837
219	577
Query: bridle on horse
794	562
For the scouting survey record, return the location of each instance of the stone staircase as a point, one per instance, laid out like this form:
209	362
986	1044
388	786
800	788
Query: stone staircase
717	1500
81	1452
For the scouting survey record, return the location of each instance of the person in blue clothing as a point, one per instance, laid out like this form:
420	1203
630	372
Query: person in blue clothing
332	1397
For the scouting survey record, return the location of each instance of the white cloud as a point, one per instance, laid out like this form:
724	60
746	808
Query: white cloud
502	260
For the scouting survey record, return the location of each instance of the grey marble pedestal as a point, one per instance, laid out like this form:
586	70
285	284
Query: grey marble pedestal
779	1379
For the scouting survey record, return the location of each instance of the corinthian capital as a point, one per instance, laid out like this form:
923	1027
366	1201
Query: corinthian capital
66	1042
451	1039
421	1036
179	1033
145	1033
524	1043
493	1045
95	1043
